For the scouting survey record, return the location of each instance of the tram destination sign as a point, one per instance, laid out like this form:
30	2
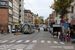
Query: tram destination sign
3	4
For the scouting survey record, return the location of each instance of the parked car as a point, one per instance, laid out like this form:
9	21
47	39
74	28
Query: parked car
14	30
45	29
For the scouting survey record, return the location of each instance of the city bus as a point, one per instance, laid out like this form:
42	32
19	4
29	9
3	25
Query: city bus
28	28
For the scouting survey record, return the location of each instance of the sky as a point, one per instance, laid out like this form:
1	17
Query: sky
40	7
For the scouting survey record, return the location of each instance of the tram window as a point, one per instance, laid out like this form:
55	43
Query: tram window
26	27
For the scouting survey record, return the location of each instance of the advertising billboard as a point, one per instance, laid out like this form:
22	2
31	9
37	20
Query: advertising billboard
3	4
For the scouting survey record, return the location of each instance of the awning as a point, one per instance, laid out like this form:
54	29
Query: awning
73	21
17	24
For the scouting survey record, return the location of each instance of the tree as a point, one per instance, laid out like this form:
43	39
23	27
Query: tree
46	22
40	22
36	21
61	6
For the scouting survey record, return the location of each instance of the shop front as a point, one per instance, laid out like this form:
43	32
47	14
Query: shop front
72	28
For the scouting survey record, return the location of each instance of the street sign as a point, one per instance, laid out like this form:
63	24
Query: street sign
66	25
62	24
61	21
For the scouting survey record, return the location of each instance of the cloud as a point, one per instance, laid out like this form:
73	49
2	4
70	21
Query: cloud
39	6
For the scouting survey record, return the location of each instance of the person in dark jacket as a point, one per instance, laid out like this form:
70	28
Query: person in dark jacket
8	31
38	29
2	31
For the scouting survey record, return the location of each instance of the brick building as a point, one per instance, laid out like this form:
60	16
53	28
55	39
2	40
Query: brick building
9	14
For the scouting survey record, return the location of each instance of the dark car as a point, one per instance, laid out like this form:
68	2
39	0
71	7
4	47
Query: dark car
14	30
45	29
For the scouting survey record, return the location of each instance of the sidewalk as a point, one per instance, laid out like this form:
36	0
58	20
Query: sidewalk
5	35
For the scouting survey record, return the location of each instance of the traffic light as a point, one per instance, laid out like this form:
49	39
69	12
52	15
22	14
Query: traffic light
16	30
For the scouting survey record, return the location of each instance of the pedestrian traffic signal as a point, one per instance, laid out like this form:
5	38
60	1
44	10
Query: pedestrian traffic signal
16	30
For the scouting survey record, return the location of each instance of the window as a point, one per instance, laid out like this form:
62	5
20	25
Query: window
10	11
72	9
25	14
10	19
10	4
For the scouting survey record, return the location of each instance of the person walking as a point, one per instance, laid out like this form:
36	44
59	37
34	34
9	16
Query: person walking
38	29
21	30
8	31
63	37
67	35
2	31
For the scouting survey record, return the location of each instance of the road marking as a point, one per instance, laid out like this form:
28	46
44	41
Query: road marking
12	41
27	41
48	41
55	42
62	42
29	47
4	41
18	46
15	49
34	41
42	41
19	41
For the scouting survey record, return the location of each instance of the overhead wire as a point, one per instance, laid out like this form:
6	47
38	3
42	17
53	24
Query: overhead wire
31	6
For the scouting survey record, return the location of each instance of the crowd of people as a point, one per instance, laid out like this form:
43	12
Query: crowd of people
61	36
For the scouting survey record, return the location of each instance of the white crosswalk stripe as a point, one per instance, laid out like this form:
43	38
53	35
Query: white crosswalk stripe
19	41
55	42
16	49
42	41
12	41
62	42
48	41
27	41
34	41
4	41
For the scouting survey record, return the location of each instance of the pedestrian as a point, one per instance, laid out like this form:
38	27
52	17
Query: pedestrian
2	31
21	30
63	37
38	29
67	36
8	31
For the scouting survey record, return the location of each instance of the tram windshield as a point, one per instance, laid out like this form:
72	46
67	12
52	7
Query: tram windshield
26	27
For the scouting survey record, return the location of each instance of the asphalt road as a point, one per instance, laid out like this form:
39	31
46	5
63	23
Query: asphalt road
42	40
47	42
20	42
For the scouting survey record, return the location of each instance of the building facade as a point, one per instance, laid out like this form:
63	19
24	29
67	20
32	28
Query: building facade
15	13
21	12
28	16
6	14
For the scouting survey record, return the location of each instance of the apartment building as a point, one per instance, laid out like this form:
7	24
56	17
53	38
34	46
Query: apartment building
21	12
15	13
28	17
6	14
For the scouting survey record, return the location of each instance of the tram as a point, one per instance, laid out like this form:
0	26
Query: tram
28	28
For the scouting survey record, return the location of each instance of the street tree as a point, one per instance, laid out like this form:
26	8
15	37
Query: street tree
40	22
36	21
61	6
46	22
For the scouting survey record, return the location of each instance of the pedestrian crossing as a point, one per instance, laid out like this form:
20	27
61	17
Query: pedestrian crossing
31	41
